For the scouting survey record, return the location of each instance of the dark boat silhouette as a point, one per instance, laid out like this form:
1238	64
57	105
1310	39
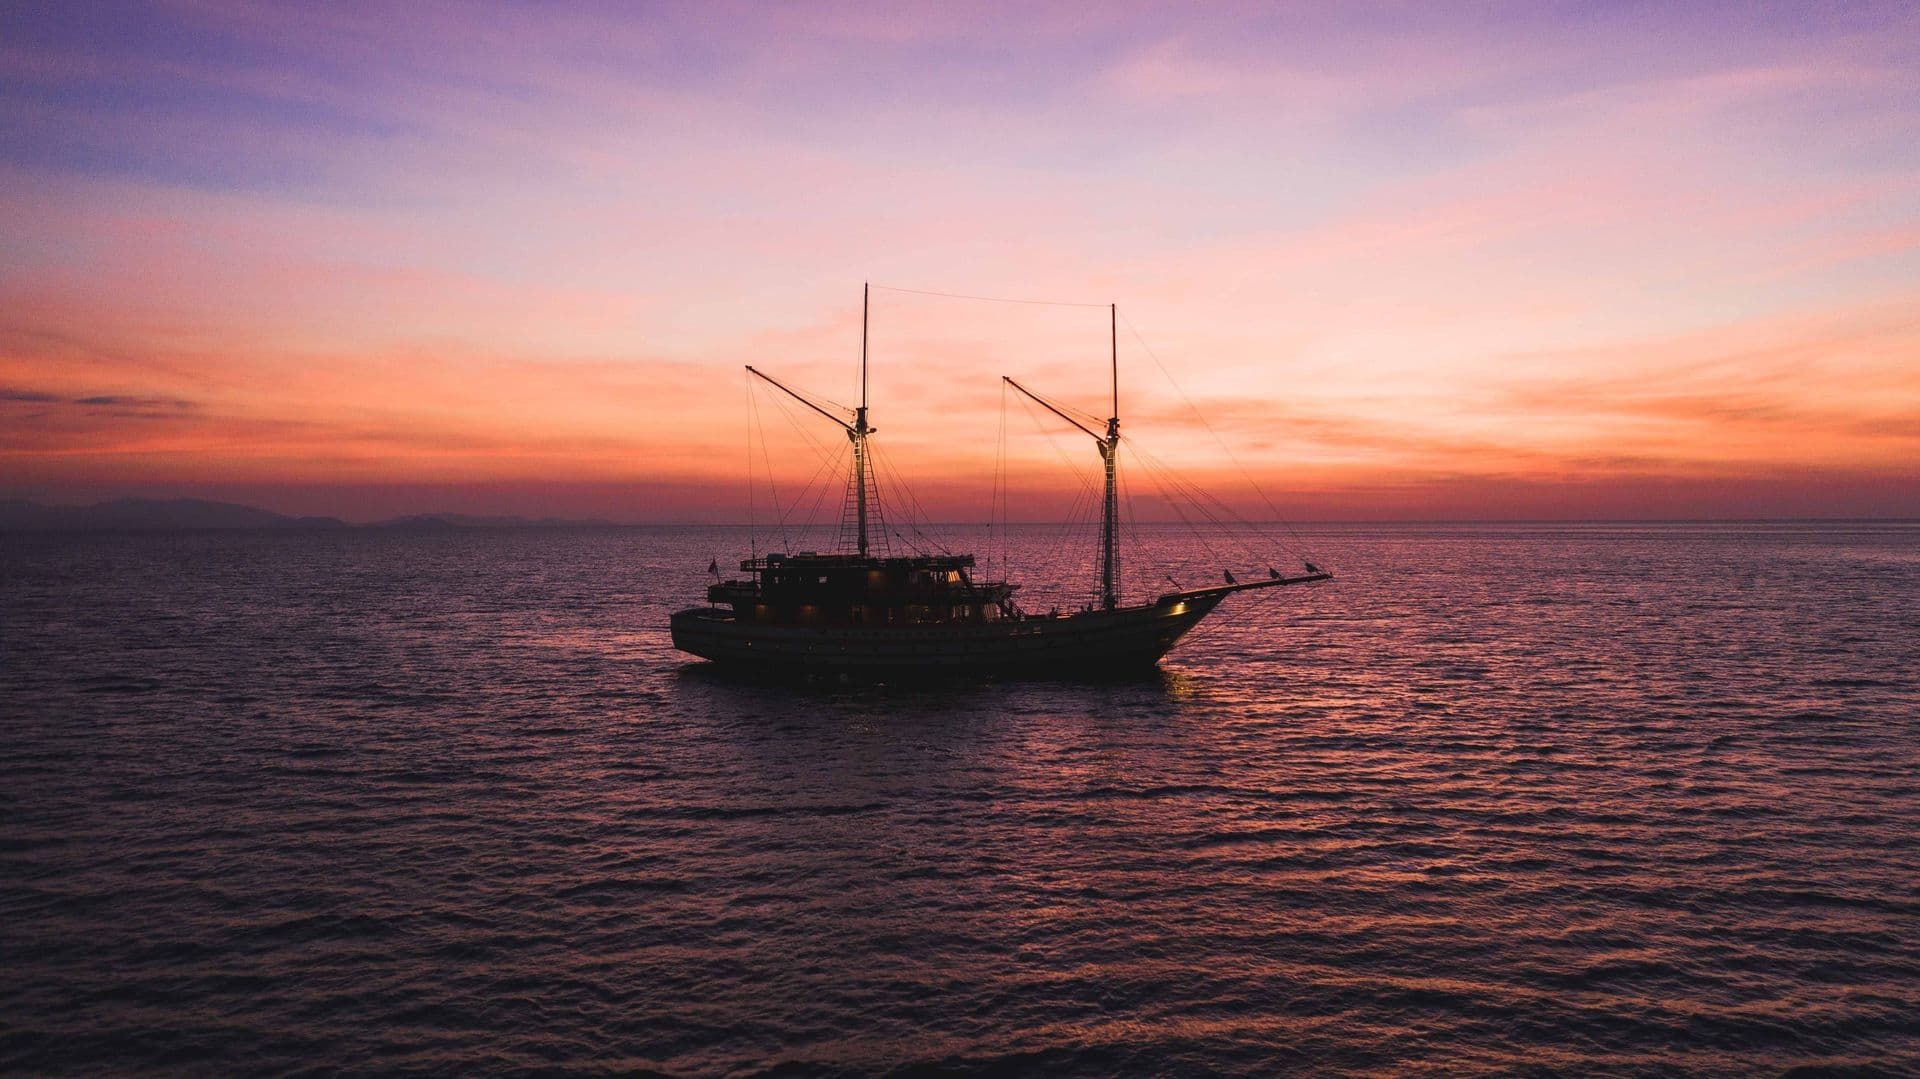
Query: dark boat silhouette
856	613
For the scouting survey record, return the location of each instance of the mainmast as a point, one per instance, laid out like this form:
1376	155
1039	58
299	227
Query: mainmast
1109	447
858	433
1109	452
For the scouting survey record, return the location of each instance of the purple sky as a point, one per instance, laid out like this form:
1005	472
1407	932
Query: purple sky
1580	260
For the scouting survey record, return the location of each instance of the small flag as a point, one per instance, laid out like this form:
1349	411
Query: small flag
713	567
1311	568
1273	573
1228	574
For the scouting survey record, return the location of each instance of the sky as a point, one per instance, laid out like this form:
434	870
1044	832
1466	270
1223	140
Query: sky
1421	261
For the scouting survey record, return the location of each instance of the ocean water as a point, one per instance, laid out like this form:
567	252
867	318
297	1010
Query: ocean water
1584	799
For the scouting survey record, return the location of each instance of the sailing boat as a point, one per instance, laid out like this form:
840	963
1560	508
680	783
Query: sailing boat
857	613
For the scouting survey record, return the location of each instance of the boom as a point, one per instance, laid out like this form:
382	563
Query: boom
796	395
1046	404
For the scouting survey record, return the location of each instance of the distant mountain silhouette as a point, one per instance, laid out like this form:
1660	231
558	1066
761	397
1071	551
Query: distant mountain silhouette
439	522
189	514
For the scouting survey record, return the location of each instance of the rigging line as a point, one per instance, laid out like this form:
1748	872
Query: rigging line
1080	509
995	501
811	397
1006	488
1084	528
916	514
766	457
823	476
1156	472
1259	602
830	462
1201	416
753	546
913	514
1198	535
1132	522
1062	406
848	409
849	507
1223	531
819	499
1067	532
827	465
1086	480
1197	497
1053	440
1200	499
791	412
911	510
987	299
1070	521
1078	520
879	504
787	516
1247	530
1233	528
1077	533
822	454
1126	542
919	517
1098	421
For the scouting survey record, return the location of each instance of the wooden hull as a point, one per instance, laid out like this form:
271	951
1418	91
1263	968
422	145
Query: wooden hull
1127	638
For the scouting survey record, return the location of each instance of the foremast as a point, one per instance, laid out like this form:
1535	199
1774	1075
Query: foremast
1109	456
858	434
857	431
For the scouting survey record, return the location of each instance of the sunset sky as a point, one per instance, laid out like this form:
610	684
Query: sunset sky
1537	261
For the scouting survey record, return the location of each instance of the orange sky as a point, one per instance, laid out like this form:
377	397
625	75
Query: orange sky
497	260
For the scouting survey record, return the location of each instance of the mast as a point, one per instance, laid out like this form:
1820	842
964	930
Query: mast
1109	454
857	431
858	434
1109	447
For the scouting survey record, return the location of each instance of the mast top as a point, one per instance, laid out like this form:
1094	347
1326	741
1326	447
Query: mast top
1113	339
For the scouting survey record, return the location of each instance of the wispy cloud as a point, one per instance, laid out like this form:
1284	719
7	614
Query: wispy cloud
1387	252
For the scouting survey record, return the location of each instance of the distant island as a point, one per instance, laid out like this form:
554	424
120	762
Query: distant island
196	514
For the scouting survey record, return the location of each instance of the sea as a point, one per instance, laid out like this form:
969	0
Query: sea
1594	799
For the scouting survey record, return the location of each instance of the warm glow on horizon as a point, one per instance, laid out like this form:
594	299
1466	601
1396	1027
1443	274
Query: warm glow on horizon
1409	264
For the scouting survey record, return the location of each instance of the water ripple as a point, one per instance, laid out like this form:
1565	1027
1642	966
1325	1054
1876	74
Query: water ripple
1589	800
